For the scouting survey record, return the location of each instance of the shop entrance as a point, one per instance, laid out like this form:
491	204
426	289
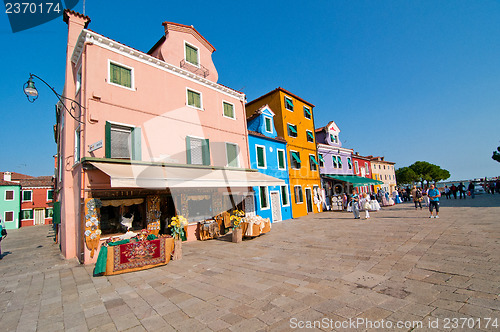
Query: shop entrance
309	202
275	206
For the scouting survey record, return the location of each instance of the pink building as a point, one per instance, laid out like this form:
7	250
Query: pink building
155	136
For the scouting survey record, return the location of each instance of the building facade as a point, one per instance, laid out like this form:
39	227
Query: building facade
10	202
294	121
37	196
269	156
362	168
383	170
156	136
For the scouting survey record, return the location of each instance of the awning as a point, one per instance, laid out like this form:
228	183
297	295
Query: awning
296	157
356	181
320	156
292	128
313	159
310	134
178	176
289	102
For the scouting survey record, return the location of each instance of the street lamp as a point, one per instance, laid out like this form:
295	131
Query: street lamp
32	94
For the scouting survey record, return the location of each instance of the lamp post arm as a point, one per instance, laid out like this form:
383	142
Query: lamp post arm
61	97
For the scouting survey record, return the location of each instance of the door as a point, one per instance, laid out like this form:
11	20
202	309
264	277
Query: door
249	206
275	206
309	201
39	218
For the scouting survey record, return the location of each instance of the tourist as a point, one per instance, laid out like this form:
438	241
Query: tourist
416	193
433	195
355	204
447	192
3	234
492	187
366	205
454	190
471	189
425	198
461	189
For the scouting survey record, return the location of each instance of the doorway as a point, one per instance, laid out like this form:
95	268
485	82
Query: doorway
309	201
39	218
275	206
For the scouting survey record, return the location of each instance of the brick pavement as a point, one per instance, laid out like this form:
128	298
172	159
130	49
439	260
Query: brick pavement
398	266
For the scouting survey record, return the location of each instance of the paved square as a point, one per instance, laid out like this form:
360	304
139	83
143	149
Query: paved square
399	266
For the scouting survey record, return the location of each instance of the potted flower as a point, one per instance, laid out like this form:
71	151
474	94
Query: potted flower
236	219
177	226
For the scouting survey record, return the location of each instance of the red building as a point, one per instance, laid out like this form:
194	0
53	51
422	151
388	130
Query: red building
362	167
36	200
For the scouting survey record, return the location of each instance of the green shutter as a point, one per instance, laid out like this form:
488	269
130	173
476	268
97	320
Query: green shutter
268	125
281	159
313	159
296	157
284	195
289	102
307	112
321	158
188	150
194	99
191	55
339	159
260	157
232	155
292	129
310	135
228	110
136	143
120	75
206	152
107	139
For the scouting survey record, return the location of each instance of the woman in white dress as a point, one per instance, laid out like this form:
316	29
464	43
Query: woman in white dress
365	203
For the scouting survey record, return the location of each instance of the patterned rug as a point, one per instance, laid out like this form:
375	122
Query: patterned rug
139	254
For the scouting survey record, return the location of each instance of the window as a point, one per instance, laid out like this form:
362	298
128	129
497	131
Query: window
284	196
120	75
292	130
310	136
321	160
385	176
367	169
50	194
197	151
313	164
194	99
269	126
356	166
27	195
379	167
264	201
374	166
261	156
77	145
349	162
232	155
335	162
123	142
26	214
384	166
8	216
9	195
49	212
228	110
78	80
281	159
307	113
333	138
288	104
339	161
298	194
295	160
192	54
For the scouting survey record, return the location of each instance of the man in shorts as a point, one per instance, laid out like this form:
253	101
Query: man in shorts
433	195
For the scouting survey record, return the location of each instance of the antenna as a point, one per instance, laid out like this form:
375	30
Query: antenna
83	7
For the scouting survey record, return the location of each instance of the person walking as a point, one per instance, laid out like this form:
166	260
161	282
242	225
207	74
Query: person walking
433	195
461	188
447	192
425	198
454	190
3	234
355	204
471	189
366	205
417	197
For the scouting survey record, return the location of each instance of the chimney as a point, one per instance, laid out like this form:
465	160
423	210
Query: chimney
7	176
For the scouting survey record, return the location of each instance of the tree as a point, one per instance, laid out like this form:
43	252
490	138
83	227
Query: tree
406	175
496	155
429	172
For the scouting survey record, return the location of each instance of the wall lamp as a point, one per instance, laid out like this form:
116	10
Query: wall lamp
32	94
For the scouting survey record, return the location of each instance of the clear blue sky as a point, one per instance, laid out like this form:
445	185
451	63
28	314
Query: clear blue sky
409	80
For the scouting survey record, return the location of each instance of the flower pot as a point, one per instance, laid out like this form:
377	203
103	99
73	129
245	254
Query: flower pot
177	254
237	235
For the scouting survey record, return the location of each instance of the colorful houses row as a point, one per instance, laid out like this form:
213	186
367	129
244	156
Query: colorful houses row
25	200
157	136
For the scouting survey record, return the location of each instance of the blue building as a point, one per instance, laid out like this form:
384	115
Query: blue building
268	156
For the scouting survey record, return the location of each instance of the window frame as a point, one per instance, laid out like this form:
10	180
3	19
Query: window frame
305	113
135	140
367	169
263	147
266	192
77	153
237	154
270	124
335	161
291	158
132	75
291	101
301	194
278	158
289	131
356	167
285	188
46	213
13	195
32	214
349	163
205	151
201	99
307	136
197	54
50	199
311	163
223	109
5	216
31	196
321	163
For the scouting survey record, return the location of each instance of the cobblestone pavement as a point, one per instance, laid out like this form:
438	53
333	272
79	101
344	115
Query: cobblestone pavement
399	266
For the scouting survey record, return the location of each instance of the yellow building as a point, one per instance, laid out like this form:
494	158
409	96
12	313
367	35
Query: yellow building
384	171
295	123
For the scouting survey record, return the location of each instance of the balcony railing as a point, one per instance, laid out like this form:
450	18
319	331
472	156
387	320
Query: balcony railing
201	70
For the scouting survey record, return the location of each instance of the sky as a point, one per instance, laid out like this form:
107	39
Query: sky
407	80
